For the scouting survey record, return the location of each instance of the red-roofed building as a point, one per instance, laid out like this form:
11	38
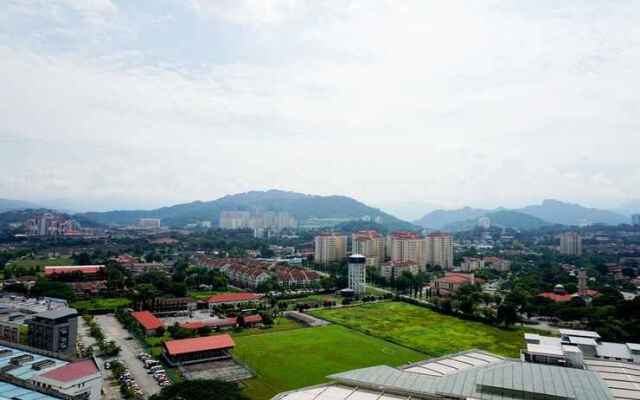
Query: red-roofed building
234	298
565	297
88	272
200	349
149	322
78	379
451	282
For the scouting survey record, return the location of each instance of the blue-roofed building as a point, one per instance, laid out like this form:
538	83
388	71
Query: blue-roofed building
32	375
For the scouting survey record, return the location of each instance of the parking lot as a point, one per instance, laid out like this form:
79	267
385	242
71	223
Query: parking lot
129	349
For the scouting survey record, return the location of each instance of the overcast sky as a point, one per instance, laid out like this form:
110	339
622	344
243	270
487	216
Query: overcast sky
107	103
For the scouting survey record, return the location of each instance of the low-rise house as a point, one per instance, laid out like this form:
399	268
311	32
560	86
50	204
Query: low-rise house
80	378
394	269
451	282
197	350
85	272
234	298
471	264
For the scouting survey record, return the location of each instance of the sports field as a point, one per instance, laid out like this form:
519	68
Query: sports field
424	330
301	357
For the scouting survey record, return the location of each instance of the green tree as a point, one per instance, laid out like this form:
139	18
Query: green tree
507	314
200	389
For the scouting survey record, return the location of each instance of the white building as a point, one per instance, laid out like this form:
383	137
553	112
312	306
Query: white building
330	248
148	223
79	378
357	273
371	245
440	250
571	244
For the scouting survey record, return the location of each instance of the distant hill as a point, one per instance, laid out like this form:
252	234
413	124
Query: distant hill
22	215
9	205
549	211
438	219
558	212
503	218
301	206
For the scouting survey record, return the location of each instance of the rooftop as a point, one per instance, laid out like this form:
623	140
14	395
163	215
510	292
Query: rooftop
147	320
580	333
58	313
234	297
64	269
72	371
193	345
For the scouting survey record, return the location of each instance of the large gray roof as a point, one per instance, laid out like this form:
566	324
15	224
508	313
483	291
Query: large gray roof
57	313
505	380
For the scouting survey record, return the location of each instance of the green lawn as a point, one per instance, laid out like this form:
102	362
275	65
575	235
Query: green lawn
302	357
424	330
279	325
40	263
101	304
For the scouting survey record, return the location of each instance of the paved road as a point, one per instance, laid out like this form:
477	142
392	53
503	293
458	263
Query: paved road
130	348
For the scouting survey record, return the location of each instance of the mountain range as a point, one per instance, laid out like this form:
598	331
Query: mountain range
301	206
549	212
10	205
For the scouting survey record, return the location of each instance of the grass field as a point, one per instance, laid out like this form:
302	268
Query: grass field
424	330
101	304
40	263
301	357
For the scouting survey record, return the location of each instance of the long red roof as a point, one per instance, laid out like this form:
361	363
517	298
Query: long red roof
66	269
72	371
234	297
147	320
194	345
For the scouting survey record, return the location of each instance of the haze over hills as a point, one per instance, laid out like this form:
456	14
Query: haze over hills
549	212
503	218
301	206
9	205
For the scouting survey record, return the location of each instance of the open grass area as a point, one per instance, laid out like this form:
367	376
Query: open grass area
424	330
302	357
101	304
38	263
279	325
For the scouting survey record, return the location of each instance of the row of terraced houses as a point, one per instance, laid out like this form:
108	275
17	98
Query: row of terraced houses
250	273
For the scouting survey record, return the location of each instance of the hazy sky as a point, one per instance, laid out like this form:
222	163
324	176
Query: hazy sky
444	103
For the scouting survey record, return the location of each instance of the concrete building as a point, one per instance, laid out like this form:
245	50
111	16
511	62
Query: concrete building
54	331
234	219
635	219
330	248
9	332
28	374
394	269
440	250
197	350
470	264
571	244
451	282
371	245
467	375
407	246
357	273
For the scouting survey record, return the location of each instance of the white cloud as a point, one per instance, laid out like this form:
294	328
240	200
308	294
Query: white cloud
450	103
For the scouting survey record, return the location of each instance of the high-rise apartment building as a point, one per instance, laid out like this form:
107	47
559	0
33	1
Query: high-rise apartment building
440	250
234	219
635	219
357	273
371	245
571	244
408	246
330	248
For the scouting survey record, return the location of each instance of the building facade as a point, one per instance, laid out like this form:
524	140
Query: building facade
54	331
571	244
9	332
357	273
330	248
371	245
440	250
407	246
394	269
